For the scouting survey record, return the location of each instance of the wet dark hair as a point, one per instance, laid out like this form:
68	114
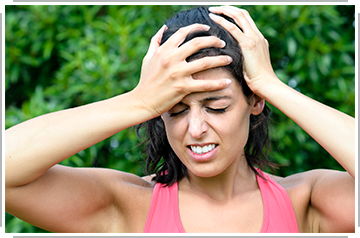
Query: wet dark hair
160	157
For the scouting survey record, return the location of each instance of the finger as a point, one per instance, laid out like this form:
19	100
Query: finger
207	63
198	43
230	27
240	20
240	16
179	36
156	40
204	85
250	20
159	34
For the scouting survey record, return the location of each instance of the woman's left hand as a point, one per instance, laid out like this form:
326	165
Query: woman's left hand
255	48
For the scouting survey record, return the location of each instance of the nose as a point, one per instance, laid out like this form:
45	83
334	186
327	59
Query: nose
197	124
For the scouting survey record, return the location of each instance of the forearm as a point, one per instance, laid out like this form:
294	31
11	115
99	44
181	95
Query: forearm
34	146
332	129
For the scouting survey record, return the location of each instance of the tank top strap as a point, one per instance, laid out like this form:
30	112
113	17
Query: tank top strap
279	214
164	216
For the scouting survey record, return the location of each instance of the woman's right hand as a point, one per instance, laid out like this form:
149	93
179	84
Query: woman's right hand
166	76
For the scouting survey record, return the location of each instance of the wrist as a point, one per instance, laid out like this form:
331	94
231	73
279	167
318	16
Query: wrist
268	88
140	106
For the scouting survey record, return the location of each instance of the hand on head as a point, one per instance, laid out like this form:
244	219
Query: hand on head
255	48
166	76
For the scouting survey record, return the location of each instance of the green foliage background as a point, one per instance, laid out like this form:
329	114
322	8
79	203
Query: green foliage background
60	57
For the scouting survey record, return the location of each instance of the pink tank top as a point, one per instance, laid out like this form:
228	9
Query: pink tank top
279	215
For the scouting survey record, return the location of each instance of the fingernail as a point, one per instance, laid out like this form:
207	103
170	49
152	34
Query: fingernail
213	16
228	81
207	27
229	59
223	43
212	9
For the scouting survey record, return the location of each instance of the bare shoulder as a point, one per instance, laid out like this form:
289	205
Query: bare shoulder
87	200
302	179
309	179
131	195
316	195
131	188
125	184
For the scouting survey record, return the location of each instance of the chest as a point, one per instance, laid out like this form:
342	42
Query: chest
267	209
243	214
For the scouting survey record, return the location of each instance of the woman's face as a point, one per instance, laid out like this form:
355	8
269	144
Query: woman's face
208	131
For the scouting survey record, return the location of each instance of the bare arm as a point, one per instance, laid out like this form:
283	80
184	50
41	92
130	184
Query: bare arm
55	197
332	129
66	199
331	194
34	146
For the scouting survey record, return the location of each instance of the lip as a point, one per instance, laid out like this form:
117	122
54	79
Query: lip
202	157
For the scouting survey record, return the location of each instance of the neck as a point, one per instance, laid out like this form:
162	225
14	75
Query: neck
238	178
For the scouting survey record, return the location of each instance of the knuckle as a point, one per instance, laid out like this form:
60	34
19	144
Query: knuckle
182	31
258	40
181	88
222	84
196	42
207	86
204	63
174	74
244	12
251	44
232	27
165	61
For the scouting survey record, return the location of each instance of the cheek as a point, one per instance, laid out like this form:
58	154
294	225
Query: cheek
175	131
235	133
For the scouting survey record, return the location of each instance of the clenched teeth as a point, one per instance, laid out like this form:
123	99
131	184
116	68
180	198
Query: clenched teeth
202	150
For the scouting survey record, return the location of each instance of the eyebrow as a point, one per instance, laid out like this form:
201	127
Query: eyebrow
214	98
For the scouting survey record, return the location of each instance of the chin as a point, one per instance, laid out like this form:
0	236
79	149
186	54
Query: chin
205	171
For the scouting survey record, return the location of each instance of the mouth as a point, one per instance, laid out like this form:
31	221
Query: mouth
197	149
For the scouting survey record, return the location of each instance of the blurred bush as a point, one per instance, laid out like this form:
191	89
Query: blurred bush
61	57
312	50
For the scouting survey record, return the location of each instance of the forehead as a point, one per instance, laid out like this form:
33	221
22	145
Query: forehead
208	97
230	92
213	74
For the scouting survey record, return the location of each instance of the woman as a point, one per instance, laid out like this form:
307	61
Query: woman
209	115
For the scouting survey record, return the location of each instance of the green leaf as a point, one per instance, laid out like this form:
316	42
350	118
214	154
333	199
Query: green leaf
292	46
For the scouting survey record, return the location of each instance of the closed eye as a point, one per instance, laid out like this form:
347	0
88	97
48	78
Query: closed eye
213	110
220	110
174	114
